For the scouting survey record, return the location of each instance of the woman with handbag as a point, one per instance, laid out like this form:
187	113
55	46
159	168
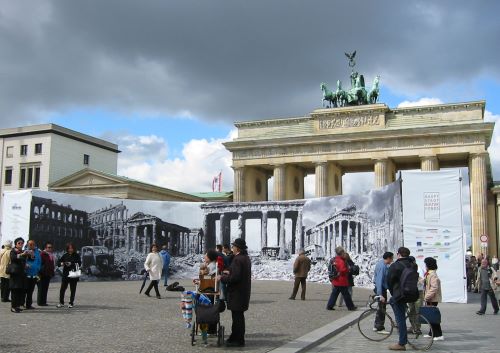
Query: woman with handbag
432	293
71	263
16	270
154	266
4	276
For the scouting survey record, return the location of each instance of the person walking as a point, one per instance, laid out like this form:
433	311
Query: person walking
486	284
398	302
380	282
69	261
340	281
154	266
432	293
165	256
353	271
301	268
414	308
238	278
46	273
4	276
17	282
33	265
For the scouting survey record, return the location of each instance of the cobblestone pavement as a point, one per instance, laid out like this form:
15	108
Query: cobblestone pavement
113	317
463	330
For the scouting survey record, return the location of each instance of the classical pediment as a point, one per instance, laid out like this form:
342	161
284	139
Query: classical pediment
86	177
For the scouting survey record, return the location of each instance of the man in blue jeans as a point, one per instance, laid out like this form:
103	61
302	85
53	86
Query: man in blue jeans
398	304
165	256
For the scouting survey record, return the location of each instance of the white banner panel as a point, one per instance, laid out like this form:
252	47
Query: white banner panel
432	226
16	215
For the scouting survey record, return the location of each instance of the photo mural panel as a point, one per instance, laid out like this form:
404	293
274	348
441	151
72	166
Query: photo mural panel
114	236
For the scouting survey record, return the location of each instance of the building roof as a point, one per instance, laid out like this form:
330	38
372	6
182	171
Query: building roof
215	196
88	178
61	131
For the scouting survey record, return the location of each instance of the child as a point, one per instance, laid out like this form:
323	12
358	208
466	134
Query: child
187	307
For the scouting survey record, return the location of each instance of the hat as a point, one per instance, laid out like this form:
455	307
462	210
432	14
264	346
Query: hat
7	243
240	243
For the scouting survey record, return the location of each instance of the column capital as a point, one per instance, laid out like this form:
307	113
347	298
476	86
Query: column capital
478	154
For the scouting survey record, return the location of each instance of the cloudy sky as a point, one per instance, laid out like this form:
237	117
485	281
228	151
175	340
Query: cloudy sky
166	80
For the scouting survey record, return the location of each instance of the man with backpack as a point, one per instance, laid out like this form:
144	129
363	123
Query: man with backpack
402	279
338	274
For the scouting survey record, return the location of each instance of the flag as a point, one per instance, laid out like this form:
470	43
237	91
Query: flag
217	182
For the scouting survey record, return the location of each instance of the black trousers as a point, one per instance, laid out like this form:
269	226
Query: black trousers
30	288
302	282
5	290
436	328
335	294
72	289
238	327
154	283
380	316
485	293
43	288
17	296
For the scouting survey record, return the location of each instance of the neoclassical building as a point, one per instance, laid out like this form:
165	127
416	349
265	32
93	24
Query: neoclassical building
331	142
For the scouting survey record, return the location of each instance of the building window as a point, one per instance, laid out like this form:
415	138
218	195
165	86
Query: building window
86	159
38	148
8	176
10	152
29	177
24	150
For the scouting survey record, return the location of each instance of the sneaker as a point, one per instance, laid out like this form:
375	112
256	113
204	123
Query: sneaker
291	298
158	297
480	313
383	332
397	347
354	308
330	308
495	312
70	306
440	338
59	305
427	336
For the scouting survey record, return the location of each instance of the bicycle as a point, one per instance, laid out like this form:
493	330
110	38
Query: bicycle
416	338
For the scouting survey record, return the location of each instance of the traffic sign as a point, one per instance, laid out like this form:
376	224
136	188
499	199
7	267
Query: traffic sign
483	238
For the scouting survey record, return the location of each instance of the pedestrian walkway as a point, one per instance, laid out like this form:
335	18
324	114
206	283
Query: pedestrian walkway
463	330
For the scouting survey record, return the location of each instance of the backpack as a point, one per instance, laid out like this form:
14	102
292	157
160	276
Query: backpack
408	284
332	270
354	270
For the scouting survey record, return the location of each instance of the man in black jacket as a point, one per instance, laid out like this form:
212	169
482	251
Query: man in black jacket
398	304
238	280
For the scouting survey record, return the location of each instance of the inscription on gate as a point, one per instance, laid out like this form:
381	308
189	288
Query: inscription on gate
346	122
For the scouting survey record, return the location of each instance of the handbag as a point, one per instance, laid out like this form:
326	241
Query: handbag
76	273
431	313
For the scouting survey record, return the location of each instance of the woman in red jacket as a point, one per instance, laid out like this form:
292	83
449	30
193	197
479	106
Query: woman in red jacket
340	282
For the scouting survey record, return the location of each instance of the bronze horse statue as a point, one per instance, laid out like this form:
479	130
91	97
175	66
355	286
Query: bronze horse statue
328	96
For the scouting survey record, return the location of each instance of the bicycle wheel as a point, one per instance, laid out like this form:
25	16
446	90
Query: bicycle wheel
420	335
366	323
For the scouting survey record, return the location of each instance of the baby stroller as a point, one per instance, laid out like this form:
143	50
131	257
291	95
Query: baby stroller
207	308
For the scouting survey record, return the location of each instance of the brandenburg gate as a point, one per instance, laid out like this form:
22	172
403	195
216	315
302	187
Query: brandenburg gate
364	138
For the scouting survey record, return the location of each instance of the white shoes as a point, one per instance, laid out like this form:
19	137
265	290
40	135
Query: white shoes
383	332
427	336
440	338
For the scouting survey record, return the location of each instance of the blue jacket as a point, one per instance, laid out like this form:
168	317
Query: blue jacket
166	259
380	277
34	265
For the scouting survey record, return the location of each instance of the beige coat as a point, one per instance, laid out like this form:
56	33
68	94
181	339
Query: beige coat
154	265
301	266
4	261
432	292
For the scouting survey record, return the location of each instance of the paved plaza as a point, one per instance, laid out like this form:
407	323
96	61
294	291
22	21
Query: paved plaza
463	330
113	317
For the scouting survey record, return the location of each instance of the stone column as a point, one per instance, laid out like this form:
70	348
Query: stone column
134	238
221	229
279	182
239	184
299	231
358	235
381	172
241	226
429	163
263	232
282	235
478	199
321	177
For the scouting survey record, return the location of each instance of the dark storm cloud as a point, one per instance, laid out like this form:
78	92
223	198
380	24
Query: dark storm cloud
230	60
